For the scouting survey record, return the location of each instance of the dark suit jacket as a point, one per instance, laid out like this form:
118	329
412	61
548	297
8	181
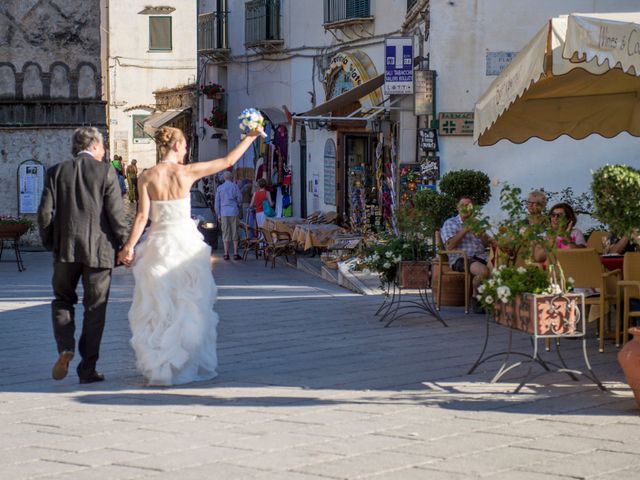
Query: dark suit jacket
81	215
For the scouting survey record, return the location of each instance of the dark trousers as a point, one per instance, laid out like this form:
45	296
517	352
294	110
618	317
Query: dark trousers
96	283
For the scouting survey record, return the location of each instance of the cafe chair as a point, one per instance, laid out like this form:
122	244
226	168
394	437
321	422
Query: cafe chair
595	240
444	265
629	289
587	271
278	244
251	241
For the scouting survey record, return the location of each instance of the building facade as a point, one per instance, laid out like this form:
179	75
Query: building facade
150	47
469	43
50	83
287	59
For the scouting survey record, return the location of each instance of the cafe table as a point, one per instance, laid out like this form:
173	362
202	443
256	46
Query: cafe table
612	261
318	235
283	224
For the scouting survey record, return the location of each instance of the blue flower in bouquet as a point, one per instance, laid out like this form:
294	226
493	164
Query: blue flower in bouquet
250	119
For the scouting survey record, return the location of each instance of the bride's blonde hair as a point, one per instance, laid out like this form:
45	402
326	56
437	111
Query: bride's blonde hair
166	138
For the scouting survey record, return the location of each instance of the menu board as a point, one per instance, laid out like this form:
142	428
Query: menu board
30	186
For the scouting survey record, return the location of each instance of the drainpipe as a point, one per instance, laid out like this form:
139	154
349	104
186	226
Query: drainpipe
107	76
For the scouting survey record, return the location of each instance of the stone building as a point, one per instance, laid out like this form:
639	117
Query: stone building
50	83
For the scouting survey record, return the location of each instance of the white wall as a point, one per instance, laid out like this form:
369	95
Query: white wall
462	32
135	72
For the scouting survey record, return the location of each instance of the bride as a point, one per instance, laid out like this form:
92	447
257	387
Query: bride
172	320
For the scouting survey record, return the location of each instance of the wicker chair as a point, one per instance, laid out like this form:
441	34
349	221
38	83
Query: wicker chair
629	288
595	240
251	241
584	266
444	261
278	244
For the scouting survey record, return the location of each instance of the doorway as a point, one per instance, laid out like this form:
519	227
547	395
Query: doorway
359	197
303	172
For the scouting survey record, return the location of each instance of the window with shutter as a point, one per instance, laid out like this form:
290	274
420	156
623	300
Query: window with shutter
160	33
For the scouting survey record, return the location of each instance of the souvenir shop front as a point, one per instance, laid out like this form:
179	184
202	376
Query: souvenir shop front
270	161
362	147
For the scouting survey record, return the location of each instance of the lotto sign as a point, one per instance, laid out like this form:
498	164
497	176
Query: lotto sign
398	72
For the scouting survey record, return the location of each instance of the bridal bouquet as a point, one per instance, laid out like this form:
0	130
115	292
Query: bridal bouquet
250	119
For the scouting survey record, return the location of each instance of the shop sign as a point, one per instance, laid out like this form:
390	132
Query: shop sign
427	140
498	61
423	88
30	186
398	71
330	172
344	61
455	123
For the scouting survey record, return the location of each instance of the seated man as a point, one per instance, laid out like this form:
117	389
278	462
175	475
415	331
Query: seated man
458	237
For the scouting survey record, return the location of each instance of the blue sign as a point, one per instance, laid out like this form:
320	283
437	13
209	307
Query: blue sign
398	69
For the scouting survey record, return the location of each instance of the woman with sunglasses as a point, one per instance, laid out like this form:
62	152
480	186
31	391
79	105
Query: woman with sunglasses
563	218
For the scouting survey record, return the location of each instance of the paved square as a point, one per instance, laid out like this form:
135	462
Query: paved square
310	386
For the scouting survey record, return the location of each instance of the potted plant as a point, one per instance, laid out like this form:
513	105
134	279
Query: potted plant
616	193
212	90
468	183
516	295
415	232
14	227
217	118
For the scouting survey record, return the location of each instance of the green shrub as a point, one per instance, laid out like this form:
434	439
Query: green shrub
467	183
616	192
436	208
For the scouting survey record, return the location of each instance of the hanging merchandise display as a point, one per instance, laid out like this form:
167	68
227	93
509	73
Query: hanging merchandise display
389	207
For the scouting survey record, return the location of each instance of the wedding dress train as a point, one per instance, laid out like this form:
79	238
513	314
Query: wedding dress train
172	320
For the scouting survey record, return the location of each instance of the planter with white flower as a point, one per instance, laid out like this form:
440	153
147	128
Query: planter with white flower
525	298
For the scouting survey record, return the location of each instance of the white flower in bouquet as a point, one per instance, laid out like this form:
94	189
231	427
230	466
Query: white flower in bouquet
389	254
250	120
386	265
503	291
554	289
481	289
488	299
522	270
398	258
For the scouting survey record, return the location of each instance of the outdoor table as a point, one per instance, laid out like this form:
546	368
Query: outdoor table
283	224
317	235
612	262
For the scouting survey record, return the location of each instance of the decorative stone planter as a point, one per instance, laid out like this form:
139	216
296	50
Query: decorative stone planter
414	274
629	359
557	315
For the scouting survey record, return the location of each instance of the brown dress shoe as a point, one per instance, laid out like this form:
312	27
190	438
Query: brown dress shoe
92	378
61	367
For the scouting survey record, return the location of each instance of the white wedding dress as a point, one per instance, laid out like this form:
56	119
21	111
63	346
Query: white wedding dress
172	320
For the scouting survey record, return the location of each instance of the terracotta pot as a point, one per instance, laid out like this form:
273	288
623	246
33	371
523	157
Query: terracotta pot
414	274
629	359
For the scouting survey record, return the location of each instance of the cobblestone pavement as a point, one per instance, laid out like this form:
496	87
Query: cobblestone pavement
310	387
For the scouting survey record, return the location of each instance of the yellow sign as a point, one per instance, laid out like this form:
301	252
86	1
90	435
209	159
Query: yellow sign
455	123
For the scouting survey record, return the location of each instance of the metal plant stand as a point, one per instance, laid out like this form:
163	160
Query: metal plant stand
16	248
566	321
398	304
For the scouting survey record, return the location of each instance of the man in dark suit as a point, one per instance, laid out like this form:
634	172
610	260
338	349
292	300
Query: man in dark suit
81	219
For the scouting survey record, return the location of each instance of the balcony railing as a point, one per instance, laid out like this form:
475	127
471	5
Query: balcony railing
262	24
339	11
212	32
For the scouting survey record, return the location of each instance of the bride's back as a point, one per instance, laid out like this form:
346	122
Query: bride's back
166	181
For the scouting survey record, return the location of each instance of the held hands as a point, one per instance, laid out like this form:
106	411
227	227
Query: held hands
125	256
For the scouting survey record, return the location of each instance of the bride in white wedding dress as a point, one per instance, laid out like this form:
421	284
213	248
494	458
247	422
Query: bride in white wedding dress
172	320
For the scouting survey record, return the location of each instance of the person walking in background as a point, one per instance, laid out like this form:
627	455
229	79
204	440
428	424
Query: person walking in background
117	165
228	201
132	180
257	201
81	219
246	189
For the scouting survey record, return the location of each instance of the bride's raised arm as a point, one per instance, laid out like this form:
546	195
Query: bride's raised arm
198	170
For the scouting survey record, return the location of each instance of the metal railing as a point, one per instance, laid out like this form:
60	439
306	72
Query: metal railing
212	31
339	10
262	21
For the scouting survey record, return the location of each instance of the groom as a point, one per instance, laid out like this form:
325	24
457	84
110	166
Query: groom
81	219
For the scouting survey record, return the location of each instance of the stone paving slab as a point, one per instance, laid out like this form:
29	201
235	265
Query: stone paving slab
311	386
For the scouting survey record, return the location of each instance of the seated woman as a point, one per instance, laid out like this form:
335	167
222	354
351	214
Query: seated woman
620	244
562	216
